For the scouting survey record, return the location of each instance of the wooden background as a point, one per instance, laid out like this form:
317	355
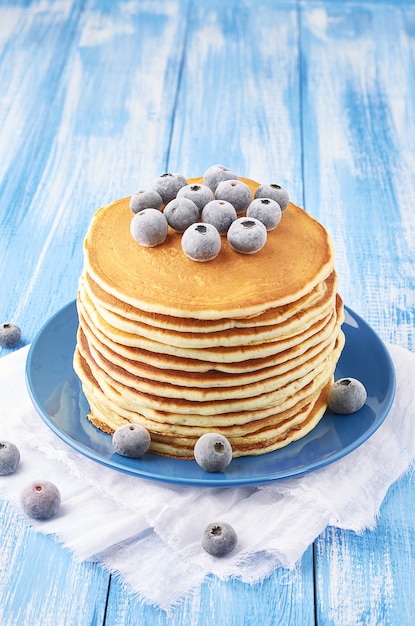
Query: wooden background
97	97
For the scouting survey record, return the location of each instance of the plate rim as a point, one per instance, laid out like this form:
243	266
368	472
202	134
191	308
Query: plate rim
210	479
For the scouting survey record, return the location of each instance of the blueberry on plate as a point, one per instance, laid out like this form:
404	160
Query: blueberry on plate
40	499
247	235
275	192
236	192
199	194
168	185
347	395
201	242
131	440
265	210
149	227
146	199
9	458
180	213
213	452
9	335
216	174
219	539
220	214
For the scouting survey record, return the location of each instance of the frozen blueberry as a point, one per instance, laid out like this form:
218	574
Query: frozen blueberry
236	192
266	211
180	213
216	174
41	499
201	242
213	452
146	199
247	235
9	458
219	213
149	227
346	395
167	185
131	440
275	192
219	539
9	335
199	194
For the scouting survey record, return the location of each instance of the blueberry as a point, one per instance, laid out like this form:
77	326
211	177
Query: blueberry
201	242
167	185
236	192
146	199
219	213
216	174
9	458
149	227
275	192
266	211
180	213
219	539
41	499
131	440
9	335
346	395
247	235
200	194
213	452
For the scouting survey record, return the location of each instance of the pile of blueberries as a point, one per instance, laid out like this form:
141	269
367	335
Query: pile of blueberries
202	213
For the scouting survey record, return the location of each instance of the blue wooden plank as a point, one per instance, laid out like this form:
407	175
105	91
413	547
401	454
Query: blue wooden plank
362	585
104	101
239	98
359	135
358	127
41	584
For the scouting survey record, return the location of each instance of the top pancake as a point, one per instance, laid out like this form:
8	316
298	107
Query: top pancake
298	254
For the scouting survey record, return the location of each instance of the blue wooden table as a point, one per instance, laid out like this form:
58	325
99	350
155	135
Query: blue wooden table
97	97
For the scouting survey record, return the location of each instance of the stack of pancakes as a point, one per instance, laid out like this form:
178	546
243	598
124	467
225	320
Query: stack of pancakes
244	345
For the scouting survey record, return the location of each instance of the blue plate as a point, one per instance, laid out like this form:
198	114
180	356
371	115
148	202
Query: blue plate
57	396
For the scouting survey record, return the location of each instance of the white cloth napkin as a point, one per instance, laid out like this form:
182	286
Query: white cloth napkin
122	521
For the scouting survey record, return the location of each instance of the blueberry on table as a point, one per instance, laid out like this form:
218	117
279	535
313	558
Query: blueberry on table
219	539
146	199
9	335
220	214
199	194
213	452
346	395
216	174
180	213
149	227
168	185
236	192
275	192
41	500
201	242
9	458
131	440
266	211
247	235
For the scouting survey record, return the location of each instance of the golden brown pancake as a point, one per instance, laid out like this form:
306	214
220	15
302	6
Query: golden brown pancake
164	280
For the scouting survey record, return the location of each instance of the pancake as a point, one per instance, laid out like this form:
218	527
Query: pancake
234	336
244	345
164	280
